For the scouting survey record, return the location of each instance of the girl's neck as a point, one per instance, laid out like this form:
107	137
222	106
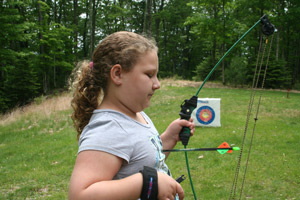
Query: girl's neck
123	109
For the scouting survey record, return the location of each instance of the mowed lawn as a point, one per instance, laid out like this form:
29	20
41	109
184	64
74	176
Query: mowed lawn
38	146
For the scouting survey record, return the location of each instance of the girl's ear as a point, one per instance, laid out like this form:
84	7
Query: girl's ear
116	74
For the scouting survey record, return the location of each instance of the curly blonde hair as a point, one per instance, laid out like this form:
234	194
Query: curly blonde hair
90	84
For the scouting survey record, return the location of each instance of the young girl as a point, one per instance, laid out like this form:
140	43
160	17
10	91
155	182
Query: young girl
120	151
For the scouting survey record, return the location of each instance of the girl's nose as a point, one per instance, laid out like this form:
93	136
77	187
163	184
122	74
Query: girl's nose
156	84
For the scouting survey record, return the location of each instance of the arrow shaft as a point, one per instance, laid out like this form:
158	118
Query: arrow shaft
197	149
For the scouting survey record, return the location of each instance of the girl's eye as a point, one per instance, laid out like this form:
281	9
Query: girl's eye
150	75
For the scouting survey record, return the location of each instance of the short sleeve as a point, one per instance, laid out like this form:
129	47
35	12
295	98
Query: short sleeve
108	136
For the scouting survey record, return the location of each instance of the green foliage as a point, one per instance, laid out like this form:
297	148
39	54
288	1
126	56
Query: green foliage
3	101
21	85
236	72
202	70
278	75
18	73
296	86
191	34
174	39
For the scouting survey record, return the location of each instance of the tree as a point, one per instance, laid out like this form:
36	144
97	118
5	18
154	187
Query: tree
41	40
147	28
175	39
18	76
208	22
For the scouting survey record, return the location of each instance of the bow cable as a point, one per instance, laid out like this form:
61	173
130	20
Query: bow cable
252	96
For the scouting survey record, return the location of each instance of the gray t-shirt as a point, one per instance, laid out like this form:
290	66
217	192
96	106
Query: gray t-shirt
115	133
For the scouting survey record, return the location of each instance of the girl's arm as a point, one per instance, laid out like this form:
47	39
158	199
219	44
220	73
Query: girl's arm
171	136
92	179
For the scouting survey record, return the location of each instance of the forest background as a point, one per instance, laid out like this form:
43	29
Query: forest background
41	41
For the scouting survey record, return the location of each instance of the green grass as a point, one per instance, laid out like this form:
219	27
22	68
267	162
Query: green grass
38	152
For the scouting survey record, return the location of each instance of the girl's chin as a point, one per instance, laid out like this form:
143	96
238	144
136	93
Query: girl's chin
146	105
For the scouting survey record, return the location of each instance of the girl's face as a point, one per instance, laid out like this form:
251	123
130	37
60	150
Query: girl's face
140	83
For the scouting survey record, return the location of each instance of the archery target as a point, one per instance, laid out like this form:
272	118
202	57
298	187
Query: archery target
207	112
205	115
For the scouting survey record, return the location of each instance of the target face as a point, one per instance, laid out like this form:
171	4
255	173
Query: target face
205	115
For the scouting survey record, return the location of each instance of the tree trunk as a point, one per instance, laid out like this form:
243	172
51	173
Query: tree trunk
60	12
214	47
42	49
157	22
75	21
92	26
223	45
148	18
54	71
123	20
186	54
84	37
40	31
55	11
2	76
277	45
165	37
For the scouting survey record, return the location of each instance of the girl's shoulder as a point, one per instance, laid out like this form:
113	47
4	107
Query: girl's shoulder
120	118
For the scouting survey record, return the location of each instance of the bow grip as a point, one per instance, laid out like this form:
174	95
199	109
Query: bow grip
187	107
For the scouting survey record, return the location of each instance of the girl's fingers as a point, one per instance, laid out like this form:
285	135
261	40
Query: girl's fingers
179	191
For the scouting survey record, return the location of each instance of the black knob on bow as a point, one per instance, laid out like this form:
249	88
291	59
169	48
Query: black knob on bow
267	28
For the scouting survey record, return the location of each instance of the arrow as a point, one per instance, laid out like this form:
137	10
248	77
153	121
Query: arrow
222	149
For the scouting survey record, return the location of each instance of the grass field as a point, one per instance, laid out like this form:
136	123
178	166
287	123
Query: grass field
38	146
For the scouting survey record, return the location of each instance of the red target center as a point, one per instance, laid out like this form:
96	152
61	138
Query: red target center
205	115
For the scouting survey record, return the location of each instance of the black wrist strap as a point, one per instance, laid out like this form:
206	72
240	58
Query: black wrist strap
150	186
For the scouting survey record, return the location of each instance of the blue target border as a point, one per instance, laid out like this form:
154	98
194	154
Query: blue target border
212	115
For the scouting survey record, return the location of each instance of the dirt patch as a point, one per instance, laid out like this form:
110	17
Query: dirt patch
197	84
45	108
187	83
62	102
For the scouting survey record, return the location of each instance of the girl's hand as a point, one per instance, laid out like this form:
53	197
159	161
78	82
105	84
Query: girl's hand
171	136
168	187
175	127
